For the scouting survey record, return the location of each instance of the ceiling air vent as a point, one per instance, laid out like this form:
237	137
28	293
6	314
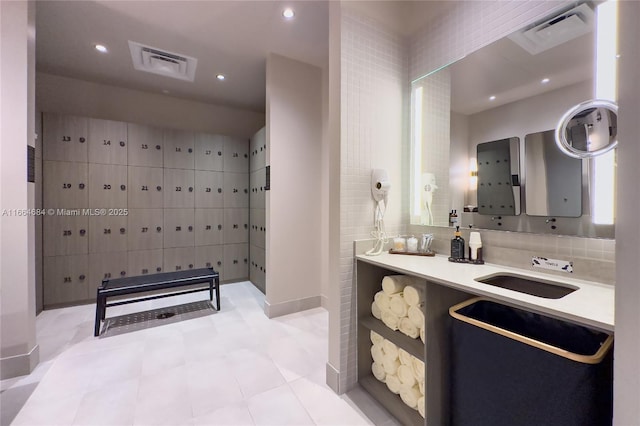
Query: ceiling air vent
555	31
169	64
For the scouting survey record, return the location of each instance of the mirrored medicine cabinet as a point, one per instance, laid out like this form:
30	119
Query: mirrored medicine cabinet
482	136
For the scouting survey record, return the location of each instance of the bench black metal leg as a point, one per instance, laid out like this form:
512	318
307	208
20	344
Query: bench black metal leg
218	292
99	315
211	290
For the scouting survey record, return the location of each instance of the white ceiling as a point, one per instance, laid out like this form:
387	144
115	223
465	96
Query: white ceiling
229	37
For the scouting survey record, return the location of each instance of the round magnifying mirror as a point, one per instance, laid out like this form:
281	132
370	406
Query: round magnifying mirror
588	129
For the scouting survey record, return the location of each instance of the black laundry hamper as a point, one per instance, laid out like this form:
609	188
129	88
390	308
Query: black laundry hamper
517	368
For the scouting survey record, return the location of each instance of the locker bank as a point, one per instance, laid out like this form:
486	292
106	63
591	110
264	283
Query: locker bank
317	156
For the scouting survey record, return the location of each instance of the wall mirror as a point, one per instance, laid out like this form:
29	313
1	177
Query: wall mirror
499	177
516	88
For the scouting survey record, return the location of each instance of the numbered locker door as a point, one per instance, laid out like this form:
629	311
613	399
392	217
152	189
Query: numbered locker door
257	227
179	229
178	149
179	259
145	145
236	261
145	187
178	188
209	189
236	190
209	227
107	233
65	138
236	226
65	185
107	142
66	279
209	152
210	257
256	267
258	149
236	155
145	229
107	186
105	266
257	182
143	262
65	235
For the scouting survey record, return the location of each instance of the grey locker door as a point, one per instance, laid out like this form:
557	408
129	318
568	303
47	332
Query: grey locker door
258	148
236	261
209	189
64	235
257	267
143	262
106	265
145	229
178	149
145	187
179	188
107	186
179	228
257	230
65	137
257	182
236	155
236	226
210	257
65	185
107	141
209	152
179	259
209	227
66	279
145	145
236	190
107	233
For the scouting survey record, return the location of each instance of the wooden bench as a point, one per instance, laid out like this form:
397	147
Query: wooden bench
145	283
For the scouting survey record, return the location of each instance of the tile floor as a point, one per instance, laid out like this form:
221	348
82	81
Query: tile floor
234	367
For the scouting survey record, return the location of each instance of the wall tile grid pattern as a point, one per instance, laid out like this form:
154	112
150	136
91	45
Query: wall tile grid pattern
374	88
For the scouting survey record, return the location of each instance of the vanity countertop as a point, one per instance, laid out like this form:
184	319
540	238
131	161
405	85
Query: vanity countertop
592	304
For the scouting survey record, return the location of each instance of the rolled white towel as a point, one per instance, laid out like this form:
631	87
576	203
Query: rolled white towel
382	300
376	311
421	406
389	349
390	320
393	284
393	383
406	376
413	294
377	353
390	365
398	306
421	387
409	328
378	371
418	368
416	315
410	395
376	339
405	358
422	335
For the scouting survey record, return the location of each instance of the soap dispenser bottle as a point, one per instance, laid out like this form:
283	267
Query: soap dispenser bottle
457	246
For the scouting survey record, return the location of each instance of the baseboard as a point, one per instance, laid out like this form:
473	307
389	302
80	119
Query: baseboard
333	378
324	301
291	306
19	365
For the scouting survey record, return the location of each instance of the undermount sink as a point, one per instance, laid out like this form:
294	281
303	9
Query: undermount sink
528	285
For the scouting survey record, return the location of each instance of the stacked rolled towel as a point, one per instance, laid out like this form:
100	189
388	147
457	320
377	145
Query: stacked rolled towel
382	300
422	335
377	354
390	320
410	395
413	295
415	314
391	305
408	328
398	306
390	349
421	406
376	338
393	284
405	358
406	376
393	383
378	371
376	311
418	368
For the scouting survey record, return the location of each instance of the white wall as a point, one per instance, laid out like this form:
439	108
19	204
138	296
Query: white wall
71	96
18	348
294	210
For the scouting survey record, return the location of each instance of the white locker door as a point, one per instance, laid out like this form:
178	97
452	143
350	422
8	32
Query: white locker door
107	234
65	235
65	185
236	190
143	262
178	149
64	138
236	226
145	187
210	257
66	279
145	229
107	186
145	145
236	155
179	259
209	152
209	227
107	142
179	228
209	189
179	188
236	261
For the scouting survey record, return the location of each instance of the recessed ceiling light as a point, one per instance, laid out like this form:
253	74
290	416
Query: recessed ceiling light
220	77
101	48
492	98
288	13
545	81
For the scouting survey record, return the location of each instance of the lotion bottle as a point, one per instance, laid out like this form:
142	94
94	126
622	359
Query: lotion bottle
457	245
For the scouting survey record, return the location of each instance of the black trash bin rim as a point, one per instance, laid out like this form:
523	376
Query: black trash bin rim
585	359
